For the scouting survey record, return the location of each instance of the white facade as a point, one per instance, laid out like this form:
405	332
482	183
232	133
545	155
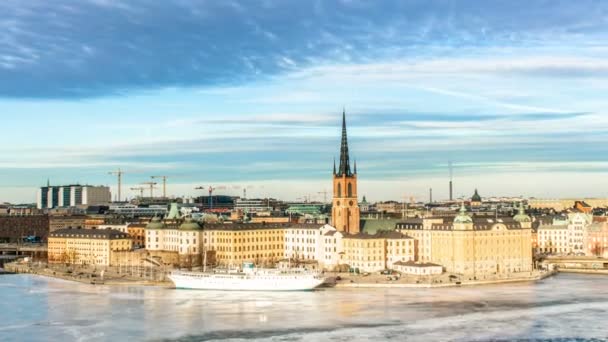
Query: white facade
323	244
564	236
50	197
133	210
184	242
251	205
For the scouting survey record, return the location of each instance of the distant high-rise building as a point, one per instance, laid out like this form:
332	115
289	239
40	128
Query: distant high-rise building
64	196
345	206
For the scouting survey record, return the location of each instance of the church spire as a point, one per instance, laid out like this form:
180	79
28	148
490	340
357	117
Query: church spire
334	165
344	169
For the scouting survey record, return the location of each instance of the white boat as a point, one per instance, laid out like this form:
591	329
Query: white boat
249	279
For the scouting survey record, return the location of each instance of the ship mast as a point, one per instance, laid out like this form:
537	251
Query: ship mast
204	251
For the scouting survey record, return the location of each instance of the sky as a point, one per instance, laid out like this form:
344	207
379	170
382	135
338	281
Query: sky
249	94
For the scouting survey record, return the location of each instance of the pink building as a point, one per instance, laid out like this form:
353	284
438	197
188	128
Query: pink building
596	239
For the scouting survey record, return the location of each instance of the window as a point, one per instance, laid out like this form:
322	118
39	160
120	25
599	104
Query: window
339	190
350	190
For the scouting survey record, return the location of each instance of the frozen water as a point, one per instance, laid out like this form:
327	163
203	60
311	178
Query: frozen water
562	308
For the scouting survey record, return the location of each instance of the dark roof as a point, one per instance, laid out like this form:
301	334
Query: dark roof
344	169
582	203
254	226
90	233
476	197
378	235
482	224
415	223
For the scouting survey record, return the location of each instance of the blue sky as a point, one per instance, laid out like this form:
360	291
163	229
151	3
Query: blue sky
250	93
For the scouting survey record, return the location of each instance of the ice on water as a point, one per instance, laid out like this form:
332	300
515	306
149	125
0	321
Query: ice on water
557	309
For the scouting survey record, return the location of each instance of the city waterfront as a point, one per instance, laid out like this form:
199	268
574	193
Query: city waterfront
560	308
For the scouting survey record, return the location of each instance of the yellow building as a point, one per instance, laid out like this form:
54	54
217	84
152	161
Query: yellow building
478	247
137	232
86	246
224	244
377	252
345	205
232	244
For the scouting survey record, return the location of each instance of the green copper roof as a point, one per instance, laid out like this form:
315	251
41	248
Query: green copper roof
462	217
521	215
155	223
304	209
189	224
476	197
173	212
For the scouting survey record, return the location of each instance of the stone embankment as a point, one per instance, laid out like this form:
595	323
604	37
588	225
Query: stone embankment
355	281
86	275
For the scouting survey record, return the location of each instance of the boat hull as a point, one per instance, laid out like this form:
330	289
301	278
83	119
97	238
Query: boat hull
227	282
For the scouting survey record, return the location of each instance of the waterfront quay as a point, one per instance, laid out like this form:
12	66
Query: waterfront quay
443	280
13	251
134	275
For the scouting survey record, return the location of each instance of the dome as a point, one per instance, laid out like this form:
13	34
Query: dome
462	217
476	197
210	218
155	223
189	224
521	215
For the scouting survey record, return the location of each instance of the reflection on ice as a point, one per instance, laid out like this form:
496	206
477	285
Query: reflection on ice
42	309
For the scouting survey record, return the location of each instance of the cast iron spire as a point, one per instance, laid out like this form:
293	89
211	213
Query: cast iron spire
344	169
334	165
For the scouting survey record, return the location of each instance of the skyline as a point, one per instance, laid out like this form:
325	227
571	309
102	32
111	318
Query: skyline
251	93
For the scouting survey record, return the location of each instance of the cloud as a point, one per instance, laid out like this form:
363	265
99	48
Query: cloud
228	43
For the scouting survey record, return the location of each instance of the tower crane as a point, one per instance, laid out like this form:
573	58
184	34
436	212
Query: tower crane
118	173
164	178
140	189
324	193
151	184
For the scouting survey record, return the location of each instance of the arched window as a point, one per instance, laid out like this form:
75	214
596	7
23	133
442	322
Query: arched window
339	190
350	190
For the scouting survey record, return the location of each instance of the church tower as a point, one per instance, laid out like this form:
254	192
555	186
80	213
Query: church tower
345	206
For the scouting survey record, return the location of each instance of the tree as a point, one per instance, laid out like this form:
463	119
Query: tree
597	249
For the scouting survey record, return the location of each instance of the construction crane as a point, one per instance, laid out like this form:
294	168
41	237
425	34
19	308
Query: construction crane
164	178
141	191
451	178
118	173
324	193
151	185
